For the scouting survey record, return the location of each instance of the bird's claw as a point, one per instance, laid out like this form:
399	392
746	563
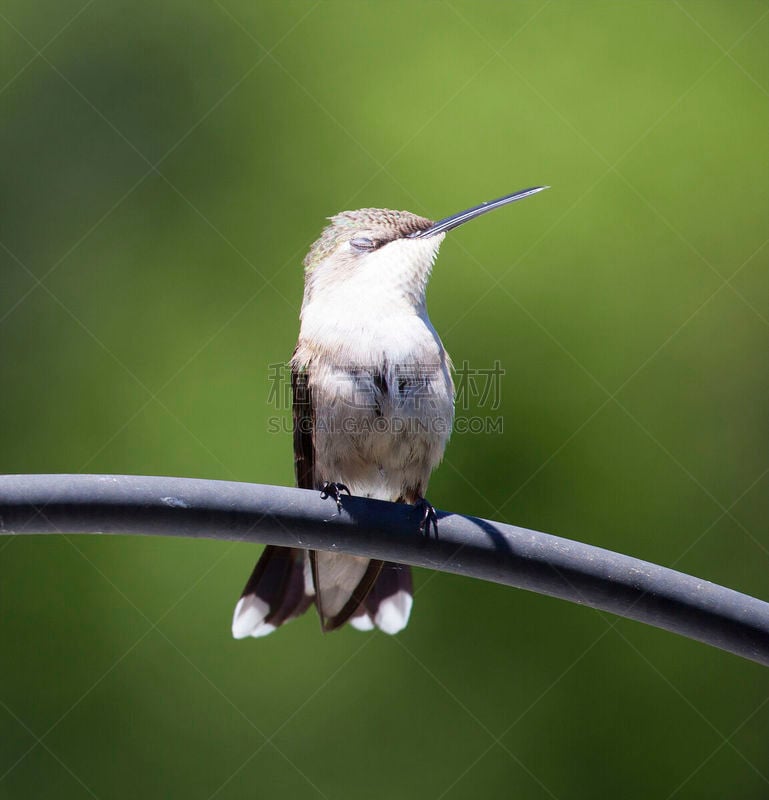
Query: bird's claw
332	489
429	517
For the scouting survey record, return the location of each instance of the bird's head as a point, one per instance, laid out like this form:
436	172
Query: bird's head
378	253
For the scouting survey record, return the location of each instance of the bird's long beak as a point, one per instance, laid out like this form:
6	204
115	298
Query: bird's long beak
455	220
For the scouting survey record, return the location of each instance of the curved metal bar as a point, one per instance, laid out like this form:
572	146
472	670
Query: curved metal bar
492	551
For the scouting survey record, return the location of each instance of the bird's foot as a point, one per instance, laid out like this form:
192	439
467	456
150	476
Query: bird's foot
332	489
429	517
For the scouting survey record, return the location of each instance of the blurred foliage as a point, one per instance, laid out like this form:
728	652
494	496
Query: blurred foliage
165	167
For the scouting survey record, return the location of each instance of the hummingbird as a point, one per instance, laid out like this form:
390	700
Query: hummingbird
373	407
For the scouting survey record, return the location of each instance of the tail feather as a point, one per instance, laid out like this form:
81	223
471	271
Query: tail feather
341	584
277	591
388	605
366	593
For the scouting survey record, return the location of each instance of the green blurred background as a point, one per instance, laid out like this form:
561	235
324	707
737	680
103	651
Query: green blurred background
164	168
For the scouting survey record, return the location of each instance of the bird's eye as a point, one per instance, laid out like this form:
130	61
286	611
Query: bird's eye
363	243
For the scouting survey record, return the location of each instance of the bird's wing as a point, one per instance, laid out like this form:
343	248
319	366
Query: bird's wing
304	427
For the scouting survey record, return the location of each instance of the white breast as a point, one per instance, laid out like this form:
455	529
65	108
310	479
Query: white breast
383	402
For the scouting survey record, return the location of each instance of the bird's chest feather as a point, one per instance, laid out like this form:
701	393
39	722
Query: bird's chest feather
380	427
376	365
381	387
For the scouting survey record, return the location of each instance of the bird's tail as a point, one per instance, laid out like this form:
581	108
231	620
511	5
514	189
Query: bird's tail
279	589
342	584
388	604
286	580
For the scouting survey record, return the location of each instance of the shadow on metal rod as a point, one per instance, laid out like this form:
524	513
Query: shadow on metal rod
491	551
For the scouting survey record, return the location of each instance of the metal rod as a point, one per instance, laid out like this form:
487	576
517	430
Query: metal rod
492	551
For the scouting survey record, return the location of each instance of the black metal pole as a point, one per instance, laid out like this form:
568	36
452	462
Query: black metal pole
492	551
